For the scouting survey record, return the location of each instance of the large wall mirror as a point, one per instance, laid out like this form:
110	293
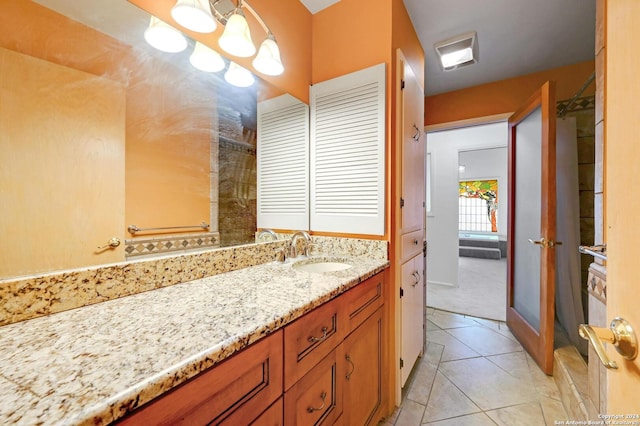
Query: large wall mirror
99	132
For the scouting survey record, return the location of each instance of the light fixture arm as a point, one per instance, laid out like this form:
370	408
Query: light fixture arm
222	18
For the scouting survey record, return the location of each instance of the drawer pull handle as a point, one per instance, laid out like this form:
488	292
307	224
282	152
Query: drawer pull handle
416	275
415	241
353	366
313	339
323	395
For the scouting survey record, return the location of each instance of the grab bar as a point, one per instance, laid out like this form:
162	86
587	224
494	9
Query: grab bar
133	228
598	251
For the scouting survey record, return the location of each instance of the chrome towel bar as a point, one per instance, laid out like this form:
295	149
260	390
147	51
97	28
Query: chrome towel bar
599	251
133	228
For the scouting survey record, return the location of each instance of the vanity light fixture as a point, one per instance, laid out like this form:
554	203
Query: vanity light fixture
236	38
458	52
238	76
206	59
194	15
164	37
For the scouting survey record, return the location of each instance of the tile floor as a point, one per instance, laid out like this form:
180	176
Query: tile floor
476	373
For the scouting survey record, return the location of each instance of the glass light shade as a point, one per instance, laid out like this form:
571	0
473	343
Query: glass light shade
236	38
164	37
457	57
267	61
238	76
206	59
194	15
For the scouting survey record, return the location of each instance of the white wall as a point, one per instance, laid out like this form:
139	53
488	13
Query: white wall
442	221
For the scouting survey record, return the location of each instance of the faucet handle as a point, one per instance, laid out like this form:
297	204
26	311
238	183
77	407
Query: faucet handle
281	255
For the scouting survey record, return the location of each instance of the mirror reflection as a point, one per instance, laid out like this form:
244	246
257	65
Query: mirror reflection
99	132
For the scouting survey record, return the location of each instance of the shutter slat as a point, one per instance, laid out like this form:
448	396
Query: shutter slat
347	155
283	165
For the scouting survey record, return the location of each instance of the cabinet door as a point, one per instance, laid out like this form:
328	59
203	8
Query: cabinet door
316	399
413	152
412	314
283	163
348	153
233	393
273	416
363	372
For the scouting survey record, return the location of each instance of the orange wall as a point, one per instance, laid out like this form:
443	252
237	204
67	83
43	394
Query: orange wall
349	36
405	38
505	95
288	20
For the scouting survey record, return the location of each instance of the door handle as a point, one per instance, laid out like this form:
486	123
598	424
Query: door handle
620	334
545	243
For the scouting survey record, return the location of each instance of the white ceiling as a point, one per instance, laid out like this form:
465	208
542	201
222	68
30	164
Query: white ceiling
317	5
516	37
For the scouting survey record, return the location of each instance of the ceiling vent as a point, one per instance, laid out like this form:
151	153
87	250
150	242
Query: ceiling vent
458	52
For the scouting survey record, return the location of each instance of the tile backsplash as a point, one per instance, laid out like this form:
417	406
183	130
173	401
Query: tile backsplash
28	297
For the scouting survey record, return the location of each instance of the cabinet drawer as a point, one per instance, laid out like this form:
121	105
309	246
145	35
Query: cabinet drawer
271	417
412	244
316	399
363	300
310	338
232	393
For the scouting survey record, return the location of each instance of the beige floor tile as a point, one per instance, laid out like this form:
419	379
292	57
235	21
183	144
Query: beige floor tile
431	326
487	322
529	414
545	385
514	363
453	348
447	320
485	341
553	410
434	353
410	414
447	401
504	330
479	419
422	382
486	384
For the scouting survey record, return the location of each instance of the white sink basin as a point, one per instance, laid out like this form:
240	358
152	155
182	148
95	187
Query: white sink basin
321	266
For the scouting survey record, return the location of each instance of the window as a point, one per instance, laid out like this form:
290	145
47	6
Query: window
478	206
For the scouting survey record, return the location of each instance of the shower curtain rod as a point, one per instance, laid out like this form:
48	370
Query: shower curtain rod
586	84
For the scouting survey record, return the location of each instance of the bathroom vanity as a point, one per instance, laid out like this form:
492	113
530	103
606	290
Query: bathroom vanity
247	346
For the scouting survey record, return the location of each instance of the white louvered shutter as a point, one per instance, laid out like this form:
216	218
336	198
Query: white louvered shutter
283	164
348	153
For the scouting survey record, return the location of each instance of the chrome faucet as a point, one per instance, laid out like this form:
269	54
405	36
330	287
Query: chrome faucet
294	241
264	232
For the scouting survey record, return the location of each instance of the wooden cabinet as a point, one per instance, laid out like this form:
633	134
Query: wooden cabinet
345	387
410	228
310	338
412	314
363	372
235	392
322	369
316	399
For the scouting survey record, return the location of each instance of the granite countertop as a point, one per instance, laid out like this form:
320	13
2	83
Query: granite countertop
94	364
